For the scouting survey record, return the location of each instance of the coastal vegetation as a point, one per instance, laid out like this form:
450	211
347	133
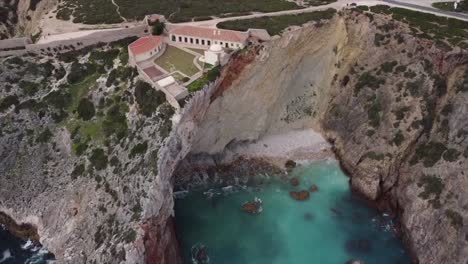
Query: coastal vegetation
276	24
443	30
448	6
104	12
208	77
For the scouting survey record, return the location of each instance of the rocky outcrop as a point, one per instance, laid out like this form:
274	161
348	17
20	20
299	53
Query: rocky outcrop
391	103
21	17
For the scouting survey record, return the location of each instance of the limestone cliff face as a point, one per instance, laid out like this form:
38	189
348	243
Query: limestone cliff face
393	108
21	17
79	159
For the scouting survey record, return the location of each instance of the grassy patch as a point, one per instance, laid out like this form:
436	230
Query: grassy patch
210	76
176	59
275	24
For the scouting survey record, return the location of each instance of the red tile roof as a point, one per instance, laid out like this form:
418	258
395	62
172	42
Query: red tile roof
211	33
145	44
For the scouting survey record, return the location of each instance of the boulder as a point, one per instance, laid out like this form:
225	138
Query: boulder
290	164
300	195
313	188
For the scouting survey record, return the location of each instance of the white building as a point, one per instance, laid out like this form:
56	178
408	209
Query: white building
202	37
144	48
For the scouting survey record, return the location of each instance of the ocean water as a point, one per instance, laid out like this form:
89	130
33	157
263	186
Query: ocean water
17	251
332	227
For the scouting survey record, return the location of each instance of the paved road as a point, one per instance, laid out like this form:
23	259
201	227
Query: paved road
427	9
412	4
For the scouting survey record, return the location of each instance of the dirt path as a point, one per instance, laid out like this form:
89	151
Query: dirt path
118	10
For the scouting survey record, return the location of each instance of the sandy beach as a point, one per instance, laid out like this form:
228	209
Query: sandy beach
298	145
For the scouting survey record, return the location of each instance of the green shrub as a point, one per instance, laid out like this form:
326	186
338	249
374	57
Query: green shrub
44	136
86	109
400	113
104	57
368	80
129	236
29	88
388	66
433	187
373	113
398	138
209	77
430	153
455	218
60	99
8	101
275	24
138	149
148	98
79	72
451	155
80	148
78	171
98	159
158	28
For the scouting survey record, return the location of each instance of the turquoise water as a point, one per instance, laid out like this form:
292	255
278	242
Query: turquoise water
331	227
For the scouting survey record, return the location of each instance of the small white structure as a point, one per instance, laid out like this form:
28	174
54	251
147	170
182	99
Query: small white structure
144	48
215	55
153	18
174	92
166	81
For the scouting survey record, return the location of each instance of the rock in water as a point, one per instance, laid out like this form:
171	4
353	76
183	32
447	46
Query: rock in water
294	181
313	188
300	195
253	207
290	164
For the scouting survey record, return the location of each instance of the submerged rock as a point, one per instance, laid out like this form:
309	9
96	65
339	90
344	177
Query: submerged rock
294	181
313	188
308	216
358	245
352	261
200	254
300	195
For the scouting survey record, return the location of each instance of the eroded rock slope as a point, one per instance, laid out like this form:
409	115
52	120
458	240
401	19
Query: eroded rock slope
393	102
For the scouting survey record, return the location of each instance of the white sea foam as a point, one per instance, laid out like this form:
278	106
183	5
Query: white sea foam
27	245
5	255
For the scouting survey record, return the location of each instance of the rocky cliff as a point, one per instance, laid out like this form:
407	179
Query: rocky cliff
21	17
388	95
79	145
